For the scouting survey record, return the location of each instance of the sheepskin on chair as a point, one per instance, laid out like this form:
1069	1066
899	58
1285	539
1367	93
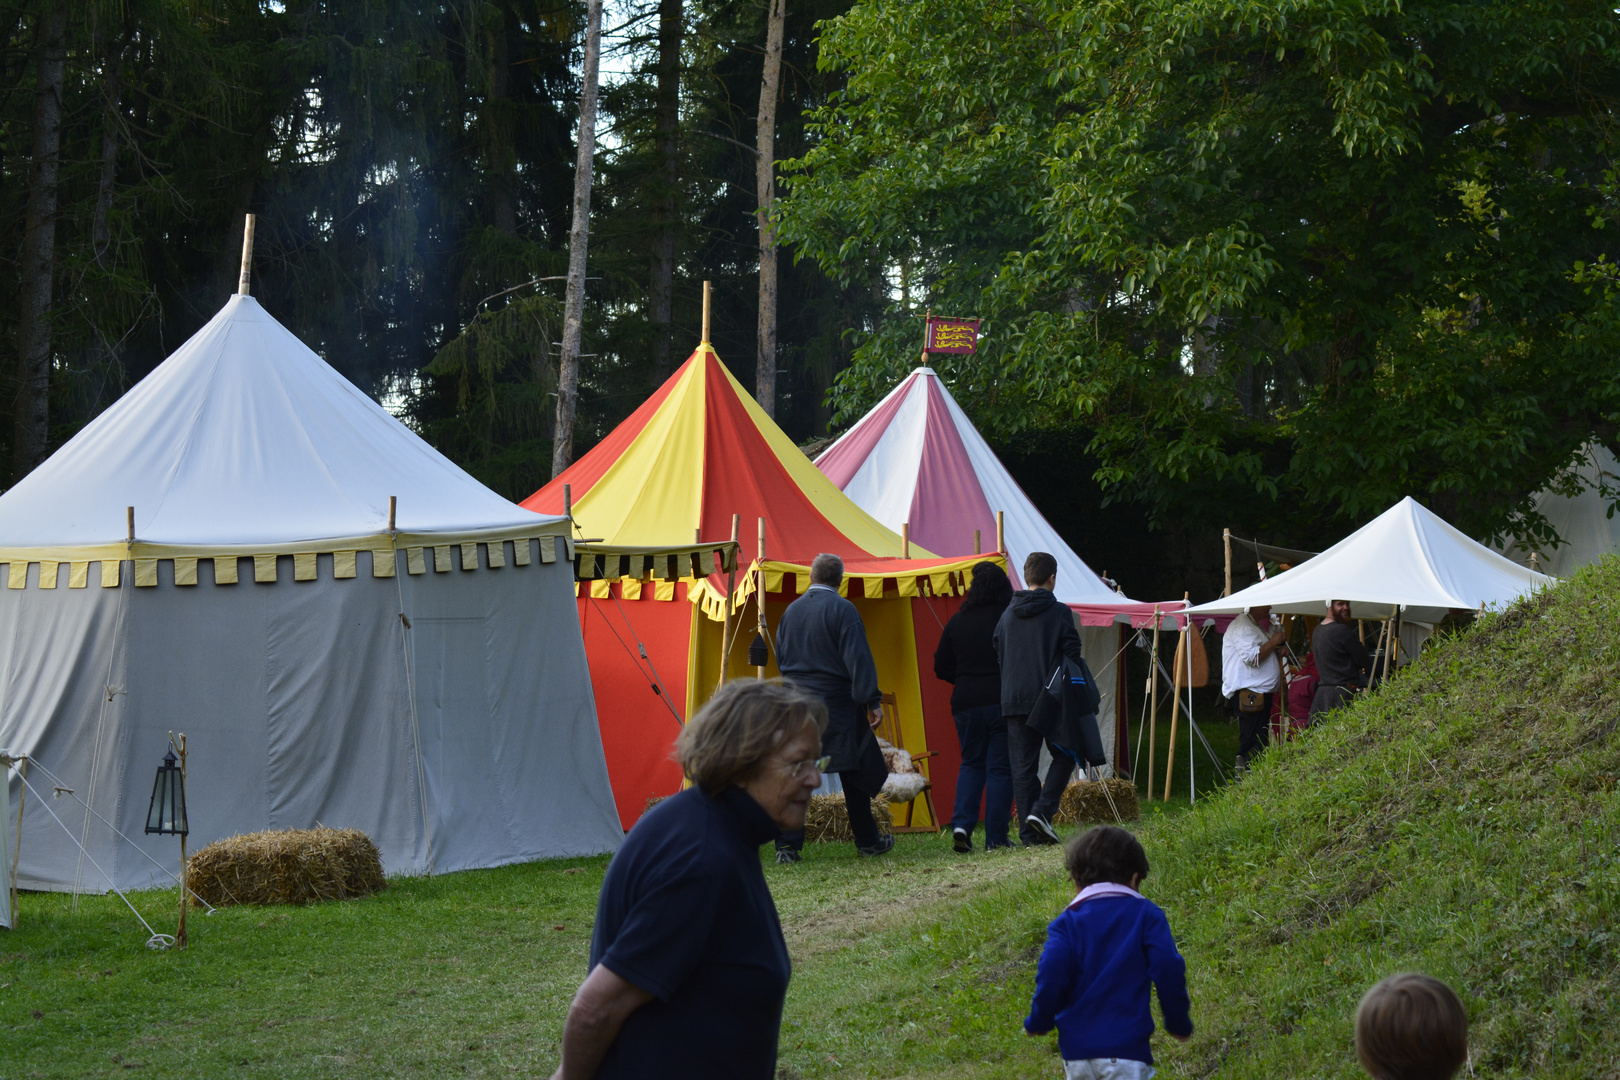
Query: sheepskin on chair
905	782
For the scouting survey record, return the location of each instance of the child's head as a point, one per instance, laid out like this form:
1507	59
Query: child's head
1105	853
1411	1027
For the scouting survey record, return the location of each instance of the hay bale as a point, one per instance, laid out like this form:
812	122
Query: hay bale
289	866
1083	802
828	818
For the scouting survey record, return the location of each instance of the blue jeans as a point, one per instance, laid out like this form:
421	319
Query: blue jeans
986	771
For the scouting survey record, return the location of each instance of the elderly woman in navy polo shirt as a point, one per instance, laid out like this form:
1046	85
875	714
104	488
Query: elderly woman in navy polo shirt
688	967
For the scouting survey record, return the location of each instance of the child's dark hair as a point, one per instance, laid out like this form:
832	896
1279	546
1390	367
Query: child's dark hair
1105	853
1411	1027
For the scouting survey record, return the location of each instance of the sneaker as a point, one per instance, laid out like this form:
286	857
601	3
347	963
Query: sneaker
787	856
884	845
961	841
1040	830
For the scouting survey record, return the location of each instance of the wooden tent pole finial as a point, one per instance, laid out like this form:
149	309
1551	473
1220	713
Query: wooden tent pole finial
707	289
247	258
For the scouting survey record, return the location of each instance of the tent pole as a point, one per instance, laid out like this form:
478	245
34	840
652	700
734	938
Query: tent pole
246	277
16	851
1226	539
731	591
759	592
706	289
1153	708
1192	759
1001	533
1175	706
905	539
977	543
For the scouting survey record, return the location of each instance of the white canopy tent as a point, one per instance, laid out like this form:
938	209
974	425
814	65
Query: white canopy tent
1583	522
419	675
1406	560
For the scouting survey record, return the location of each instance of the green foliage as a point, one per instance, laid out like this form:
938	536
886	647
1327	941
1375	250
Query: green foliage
1309	253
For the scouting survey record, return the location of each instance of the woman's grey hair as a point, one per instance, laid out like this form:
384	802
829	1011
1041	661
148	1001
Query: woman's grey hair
730	737
826	570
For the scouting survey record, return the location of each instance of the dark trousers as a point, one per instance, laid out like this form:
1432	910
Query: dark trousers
1254	730
1035	796
986	771
858	804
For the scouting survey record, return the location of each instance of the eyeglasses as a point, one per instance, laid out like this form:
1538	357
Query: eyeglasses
803	768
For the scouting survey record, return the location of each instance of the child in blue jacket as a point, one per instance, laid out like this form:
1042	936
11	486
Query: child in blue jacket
1100	956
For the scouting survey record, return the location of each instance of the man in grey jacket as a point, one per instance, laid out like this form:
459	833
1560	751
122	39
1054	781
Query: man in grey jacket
1034	635
821	647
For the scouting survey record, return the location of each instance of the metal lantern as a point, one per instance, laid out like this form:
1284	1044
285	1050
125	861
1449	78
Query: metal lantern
758	652
167	814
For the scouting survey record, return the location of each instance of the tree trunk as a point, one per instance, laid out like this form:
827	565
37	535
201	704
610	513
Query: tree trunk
667	112
30	440
502	154
100	228
765	191
562	439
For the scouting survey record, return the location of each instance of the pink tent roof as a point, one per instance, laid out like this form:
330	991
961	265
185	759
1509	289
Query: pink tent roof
916	459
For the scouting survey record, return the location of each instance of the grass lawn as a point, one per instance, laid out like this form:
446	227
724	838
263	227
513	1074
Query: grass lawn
920	962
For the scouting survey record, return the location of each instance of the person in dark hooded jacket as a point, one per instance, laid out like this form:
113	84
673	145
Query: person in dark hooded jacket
1035	633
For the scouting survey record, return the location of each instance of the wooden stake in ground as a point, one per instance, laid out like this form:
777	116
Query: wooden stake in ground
1153	707
562	437
765	193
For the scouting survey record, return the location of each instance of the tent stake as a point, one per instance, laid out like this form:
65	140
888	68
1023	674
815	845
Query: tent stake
1153	709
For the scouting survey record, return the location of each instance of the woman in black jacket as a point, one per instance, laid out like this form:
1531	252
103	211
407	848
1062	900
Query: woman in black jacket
966	658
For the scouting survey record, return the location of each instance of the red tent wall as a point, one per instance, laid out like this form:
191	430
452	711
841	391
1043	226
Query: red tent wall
928	617
638	730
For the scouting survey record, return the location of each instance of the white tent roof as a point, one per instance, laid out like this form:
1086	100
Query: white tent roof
1583	522
245	436
916	459
1407	558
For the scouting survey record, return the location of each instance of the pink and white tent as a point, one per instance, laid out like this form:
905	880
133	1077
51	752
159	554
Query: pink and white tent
917	460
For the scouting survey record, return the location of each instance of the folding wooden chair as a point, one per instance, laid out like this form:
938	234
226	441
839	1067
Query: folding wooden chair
889	731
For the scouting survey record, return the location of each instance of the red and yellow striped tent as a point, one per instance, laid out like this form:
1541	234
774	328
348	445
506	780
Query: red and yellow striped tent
695	453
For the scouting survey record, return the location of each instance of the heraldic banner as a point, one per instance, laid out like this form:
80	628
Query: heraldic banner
952	335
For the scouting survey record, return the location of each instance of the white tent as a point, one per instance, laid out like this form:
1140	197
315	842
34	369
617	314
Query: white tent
1406	559
420	677
1583	522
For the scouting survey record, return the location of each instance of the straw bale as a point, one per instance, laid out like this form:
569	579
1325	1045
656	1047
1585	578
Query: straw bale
828	818
289	866
1083	801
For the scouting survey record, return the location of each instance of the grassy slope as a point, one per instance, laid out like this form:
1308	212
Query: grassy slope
1462	822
